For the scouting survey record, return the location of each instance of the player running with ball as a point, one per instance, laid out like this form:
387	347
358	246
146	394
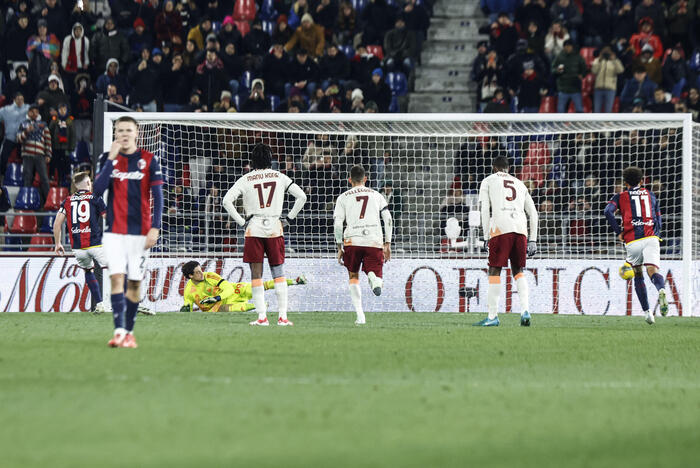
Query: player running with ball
641	225
132	176
361	242
263	190
505	202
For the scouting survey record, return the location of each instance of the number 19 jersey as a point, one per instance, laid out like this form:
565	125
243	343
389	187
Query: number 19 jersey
360	208
263	192
508	199
83	211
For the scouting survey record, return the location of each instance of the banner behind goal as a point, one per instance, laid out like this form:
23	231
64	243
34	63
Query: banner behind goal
429	167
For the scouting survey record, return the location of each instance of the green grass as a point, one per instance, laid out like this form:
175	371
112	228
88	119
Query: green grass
419	390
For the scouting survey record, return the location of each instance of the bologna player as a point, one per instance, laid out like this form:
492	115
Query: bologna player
361	242
505	202
641	225
84	212
211	293
263	190
132	176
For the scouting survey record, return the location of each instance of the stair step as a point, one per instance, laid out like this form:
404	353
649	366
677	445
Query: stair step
457	8
441	71
459	83
442	102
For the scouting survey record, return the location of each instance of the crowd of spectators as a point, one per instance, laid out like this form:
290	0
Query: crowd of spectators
589	55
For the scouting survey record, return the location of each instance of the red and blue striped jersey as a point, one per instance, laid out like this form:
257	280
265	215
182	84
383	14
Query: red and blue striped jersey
640	212
129	201
83	211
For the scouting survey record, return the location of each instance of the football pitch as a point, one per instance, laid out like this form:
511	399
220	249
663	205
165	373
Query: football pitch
408	389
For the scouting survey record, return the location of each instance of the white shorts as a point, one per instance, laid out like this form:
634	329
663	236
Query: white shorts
644	251
85	257
125	255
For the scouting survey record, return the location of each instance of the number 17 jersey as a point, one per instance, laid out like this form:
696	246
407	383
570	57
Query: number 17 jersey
263	192
83	211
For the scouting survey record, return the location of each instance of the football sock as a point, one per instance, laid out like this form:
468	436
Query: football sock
356	297
132	308
641	292
94	287
493	294
658	281
523	292
259	298
281	291
118	310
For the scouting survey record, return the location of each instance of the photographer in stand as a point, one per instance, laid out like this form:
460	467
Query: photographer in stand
606	67
256	102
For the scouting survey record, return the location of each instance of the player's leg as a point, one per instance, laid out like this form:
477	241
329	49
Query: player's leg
85	261
274	248
236	306
253	255
652	260
518	256
635	258
136	270
352	260
116	254
499	250
372	263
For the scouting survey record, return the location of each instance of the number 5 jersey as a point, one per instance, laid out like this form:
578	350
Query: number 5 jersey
504	202
83	211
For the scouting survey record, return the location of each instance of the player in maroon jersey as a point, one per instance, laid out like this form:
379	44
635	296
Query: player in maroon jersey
641	227
132	176
84	212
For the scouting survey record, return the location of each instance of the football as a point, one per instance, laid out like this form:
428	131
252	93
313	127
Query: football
626	271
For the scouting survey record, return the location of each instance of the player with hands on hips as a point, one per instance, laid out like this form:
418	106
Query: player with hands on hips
506	207
263	191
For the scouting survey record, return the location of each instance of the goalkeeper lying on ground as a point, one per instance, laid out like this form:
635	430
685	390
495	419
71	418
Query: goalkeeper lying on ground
211	293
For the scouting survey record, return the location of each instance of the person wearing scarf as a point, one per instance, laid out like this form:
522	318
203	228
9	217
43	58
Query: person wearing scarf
74	56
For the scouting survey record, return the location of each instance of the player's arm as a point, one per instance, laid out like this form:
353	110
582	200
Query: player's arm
388	231
338	221
534	220
187	306
57	227
610	215
102	179
300	197
657	214
485	209
156	176
228	202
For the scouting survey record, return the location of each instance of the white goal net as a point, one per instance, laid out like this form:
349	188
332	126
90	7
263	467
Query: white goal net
429	167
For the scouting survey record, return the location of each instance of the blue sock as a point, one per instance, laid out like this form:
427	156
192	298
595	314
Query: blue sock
132	309
118	310
658	281
641	292
94	287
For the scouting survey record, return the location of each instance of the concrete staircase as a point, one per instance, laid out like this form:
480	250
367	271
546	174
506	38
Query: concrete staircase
442	81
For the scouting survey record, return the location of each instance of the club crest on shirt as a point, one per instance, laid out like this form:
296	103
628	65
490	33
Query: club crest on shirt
141	164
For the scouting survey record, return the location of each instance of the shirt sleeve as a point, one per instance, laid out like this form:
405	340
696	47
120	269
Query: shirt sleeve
155	172
485	208
338	220
100	205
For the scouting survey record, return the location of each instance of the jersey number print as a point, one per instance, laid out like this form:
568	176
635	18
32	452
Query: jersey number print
259	187
363	199
509	185
80	211
639	203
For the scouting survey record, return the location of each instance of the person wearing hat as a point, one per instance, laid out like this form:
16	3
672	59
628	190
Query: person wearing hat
378	91
229	33
43	43
108	43
112	76
200	32
11	116
637	87
256	102
298	9
503	35
157	59
35	139
530	88
168	25
308	36
75	52
652	64
49	99
21	84
62	143
646	37
282	32
357	99
140	39
569	67
515	67
400	47
303	73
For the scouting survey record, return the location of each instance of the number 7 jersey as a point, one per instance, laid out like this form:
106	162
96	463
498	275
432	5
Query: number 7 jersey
360	208
83	211
508	200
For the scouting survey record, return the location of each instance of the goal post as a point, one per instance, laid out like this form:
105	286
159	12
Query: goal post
429	167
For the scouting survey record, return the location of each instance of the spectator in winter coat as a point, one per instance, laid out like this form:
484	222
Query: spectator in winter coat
308	36
199	32
503	35
530	88
140	39
303	74
256	102
274	70
675	71
533	11
325	12
108	43
568	13
517	63
55	17
378	91
650	63
693	103
606	67
597	24
378	18
362	64
282	33
345	24
82	101
15	41
11	116
49	99
653	10
660	105
75	54
112	76
62	143
179	81
554	40
400	47
679	21
21	84
43	43
35	139
488	79
498	6
569	68
233	65
637	87
334	66
298	9
624	24
256	45
646	36
210	78
229	33
144	80
535	39
498	104
168	26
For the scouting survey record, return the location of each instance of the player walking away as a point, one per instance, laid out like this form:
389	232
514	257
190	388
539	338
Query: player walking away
129	173
211	293
263	190
84	212
505	202
641	225
362	242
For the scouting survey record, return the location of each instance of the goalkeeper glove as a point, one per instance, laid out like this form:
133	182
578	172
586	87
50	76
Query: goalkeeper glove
210	300
186	308
531	248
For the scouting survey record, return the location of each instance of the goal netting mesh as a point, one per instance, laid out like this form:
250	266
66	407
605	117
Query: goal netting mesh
429	170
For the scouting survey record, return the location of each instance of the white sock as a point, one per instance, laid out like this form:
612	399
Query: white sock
523	292
281	291
356	297
493	295
259	301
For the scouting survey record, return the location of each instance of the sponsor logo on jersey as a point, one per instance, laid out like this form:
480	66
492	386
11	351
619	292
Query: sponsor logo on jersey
141	164
637	222
117	174
76	230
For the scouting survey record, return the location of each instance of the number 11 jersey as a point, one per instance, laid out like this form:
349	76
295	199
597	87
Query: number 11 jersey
263	192
640	212
360	208
83	211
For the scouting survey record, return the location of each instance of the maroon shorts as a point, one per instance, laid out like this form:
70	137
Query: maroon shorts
511	246
371	259
255	249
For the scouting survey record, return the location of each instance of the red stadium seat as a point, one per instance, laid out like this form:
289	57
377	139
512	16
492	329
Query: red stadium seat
41	244
548	105
243	27
244	10
55	197
24	223
376	50
587	54
537	159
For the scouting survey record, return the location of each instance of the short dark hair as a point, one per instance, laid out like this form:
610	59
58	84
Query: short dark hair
188	268
261	156
357	173
632	175
500	162
126	118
